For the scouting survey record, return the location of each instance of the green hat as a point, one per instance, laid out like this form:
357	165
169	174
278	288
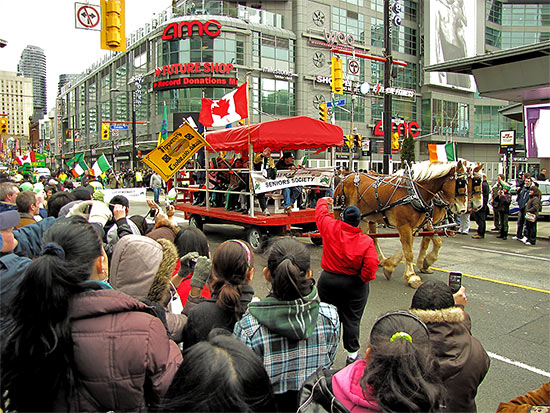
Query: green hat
26	186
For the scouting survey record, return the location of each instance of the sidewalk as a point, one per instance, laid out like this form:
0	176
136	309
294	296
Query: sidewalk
543	228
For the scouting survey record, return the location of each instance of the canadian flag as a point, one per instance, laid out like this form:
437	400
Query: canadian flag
27	158
231	108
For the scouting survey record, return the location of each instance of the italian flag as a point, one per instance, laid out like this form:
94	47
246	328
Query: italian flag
79	167
100	166
29	157
442	153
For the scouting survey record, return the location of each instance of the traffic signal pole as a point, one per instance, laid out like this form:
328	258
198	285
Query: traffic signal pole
386	114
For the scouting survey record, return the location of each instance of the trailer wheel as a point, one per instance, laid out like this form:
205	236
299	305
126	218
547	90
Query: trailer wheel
255	238
195	221
318	241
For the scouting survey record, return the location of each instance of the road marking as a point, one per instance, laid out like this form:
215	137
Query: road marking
518	364
477	277
507	253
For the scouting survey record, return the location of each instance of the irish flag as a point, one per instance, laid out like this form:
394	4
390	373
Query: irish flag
29	157
442	153
79	167
100	166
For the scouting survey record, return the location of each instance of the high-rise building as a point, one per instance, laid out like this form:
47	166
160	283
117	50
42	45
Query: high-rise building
16	103
33	64
64	79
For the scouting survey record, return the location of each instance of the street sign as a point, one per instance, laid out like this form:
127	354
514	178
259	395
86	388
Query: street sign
340	102
353	67
114	132
123	127
87	16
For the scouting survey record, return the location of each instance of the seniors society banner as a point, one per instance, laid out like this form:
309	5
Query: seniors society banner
293	177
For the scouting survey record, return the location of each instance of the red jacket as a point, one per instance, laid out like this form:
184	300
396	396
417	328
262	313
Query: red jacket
346	250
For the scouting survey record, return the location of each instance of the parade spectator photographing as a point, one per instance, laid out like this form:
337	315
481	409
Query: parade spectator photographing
462	359
522	198
291	330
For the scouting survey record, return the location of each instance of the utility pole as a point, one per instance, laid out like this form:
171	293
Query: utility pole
351	131
386	114
134	132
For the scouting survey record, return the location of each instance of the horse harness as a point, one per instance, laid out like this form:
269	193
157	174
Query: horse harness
413	197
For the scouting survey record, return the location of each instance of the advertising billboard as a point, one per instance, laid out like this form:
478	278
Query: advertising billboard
537	130
452	25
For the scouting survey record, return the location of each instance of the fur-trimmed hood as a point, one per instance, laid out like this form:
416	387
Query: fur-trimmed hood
142	267
445	315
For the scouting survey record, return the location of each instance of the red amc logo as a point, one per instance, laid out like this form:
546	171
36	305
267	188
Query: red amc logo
175	31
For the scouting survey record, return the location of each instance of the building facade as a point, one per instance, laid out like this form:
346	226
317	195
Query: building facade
33	64
16	103
207	48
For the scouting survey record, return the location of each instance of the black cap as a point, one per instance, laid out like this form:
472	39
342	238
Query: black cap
352	216
288	154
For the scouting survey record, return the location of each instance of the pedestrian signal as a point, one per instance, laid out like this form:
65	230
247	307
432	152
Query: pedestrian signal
3	126
104	131
113	35
337	75
323	112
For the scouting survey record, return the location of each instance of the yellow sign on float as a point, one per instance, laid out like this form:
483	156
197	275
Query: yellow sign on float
174	152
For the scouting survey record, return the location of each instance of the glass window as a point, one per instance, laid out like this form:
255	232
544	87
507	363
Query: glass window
376	32
349	22
410	10
377	5
492	37
92	119
277	97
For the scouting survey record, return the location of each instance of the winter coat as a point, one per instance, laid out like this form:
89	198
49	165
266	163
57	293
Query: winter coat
462	359
206	316
347	389
143	268
485	190
523	404
25	219
523	197
533	204
293	338
346	250
29	238
123	358
6	206
316	394
503	202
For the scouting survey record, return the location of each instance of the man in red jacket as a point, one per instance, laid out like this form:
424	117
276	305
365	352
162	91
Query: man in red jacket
349	262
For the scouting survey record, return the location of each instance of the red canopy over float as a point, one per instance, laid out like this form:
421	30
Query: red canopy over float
299	132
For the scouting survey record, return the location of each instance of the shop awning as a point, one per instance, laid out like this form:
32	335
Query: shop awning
299	132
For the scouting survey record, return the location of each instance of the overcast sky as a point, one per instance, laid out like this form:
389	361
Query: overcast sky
51	26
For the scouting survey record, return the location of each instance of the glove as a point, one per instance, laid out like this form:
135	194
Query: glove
201	273
186	263
100	213
81	209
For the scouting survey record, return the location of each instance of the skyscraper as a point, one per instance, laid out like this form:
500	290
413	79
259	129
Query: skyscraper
33	64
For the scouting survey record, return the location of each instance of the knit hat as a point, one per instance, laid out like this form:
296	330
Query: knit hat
352	216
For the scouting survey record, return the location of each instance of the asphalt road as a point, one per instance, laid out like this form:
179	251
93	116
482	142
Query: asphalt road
508	289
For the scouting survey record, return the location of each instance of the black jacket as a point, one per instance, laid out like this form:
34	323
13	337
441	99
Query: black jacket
316	393
206	316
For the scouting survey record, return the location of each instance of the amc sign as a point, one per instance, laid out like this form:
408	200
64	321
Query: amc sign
175	31
412	128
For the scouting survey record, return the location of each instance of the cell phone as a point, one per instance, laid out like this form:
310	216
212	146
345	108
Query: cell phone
455	281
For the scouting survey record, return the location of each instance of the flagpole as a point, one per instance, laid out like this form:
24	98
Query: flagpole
206	161
250	149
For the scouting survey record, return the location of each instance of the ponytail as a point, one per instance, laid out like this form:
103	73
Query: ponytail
288	264
401	374
37	357
231	262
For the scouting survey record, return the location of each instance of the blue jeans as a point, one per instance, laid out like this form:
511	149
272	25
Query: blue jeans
156	194
290	195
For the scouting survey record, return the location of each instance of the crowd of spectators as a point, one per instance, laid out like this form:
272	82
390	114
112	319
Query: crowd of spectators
104	311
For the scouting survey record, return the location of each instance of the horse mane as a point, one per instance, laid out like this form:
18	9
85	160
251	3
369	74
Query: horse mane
426	171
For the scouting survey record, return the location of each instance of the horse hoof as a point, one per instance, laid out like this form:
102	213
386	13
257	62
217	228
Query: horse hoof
414	281
387	274
425	270
427	264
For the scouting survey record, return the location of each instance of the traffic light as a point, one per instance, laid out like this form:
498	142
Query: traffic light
337	75
395	141
113	35
104	131
3	126
139	153
358	139
323	112
349	140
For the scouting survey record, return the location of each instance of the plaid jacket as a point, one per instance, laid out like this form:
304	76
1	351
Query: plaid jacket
290	362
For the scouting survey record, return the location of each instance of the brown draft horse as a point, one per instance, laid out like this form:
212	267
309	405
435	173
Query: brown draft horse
390	200
475	202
